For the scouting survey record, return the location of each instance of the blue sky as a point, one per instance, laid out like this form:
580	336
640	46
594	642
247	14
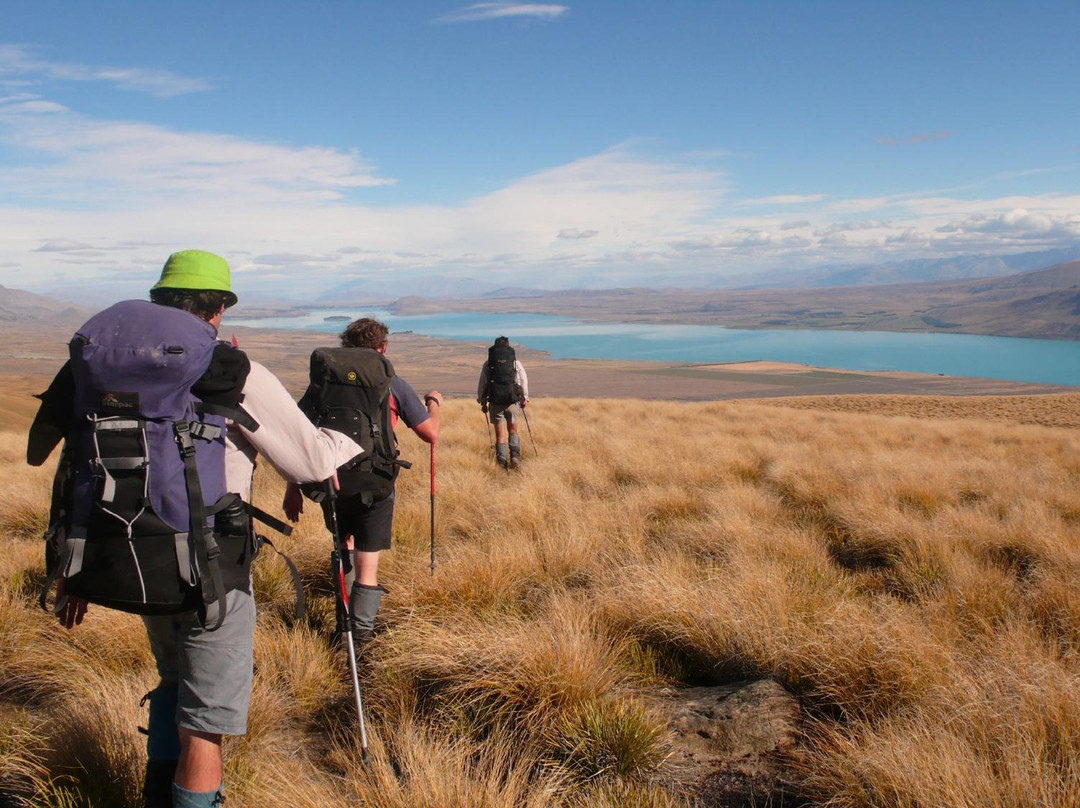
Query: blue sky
533	144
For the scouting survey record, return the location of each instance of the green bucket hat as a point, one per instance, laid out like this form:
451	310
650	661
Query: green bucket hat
198	271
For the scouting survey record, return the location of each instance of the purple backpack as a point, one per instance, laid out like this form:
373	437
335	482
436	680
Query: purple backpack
147	467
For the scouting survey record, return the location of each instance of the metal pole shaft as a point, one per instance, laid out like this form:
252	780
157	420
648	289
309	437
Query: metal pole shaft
343	596
433	509
529	427
352	668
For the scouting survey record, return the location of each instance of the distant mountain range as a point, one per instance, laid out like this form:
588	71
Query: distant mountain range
379	291
1038	303
17	305
912	271
971	294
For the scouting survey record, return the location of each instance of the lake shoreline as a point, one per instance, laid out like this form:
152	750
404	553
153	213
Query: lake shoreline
1053	362
32	353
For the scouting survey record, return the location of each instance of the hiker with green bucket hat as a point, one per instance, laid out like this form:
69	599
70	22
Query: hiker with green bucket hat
162	424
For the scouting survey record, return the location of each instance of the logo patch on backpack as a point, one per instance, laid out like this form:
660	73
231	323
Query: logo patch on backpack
119	402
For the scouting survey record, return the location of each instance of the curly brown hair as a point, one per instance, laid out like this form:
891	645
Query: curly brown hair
365	333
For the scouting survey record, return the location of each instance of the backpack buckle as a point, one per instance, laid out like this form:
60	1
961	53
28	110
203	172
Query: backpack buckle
182	429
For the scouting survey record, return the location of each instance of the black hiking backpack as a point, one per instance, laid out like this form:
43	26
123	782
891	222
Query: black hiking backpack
501	376
349	392
141	519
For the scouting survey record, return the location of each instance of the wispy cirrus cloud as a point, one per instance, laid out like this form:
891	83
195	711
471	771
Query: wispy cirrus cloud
503	9
912	140
18	62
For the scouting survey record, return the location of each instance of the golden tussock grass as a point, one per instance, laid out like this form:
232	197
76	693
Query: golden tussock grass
911	573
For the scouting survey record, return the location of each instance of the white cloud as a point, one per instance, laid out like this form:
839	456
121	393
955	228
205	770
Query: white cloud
850	227
502	9
62	245
293	259
277	212
90	160
19	60
1016	222
787	199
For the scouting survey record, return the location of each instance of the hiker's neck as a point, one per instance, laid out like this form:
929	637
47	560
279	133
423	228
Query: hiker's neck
215	321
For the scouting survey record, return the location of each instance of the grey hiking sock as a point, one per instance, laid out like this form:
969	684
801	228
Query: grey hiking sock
515	447
363	606
500	454
182	798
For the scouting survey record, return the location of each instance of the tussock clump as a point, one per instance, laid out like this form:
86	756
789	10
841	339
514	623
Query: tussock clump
607	738
417	766
300	665
91	749
515	670
23	773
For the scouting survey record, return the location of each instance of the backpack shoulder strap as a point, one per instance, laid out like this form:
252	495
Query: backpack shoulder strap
213	586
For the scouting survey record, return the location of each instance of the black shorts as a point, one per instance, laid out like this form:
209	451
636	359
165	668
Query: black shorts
369	525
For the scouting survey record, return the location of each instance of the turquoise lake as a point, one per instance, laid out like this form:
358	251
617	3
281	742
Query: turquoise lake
1028	360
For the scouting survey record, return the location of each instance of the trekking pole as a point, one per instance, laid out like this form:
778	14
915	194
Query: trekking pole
487	421
527	426
337	558
433	510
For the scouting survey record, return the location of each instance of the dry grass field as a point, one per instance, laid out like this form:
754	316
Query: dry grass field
1062	410
913	581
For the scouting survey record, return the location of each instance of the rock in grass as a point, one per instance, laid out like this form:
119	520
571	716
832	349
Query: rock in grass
731	743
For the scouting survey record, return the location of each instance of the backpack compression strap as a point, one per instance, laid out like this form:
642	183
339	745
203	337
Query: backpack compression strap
213	587
237	414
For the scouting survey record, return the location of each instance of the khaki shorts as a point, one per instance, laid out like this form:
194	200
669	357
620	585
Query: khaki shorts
499	413
212	668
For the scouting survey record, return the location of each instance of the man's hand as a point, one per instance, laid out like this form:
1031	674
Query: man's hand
293	504
433	395
484	408
69	611
523	402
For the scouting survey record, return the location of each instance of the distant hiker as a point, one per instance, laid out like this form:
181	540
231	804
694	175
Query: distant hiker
503	384
354	388
151	486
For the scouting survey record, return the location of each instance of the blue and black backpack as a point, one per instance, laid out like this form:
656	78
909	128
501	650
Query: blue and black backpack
141	519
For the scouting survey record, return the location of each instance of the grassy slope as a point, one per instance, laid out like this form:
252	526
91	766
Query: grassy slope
913	579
